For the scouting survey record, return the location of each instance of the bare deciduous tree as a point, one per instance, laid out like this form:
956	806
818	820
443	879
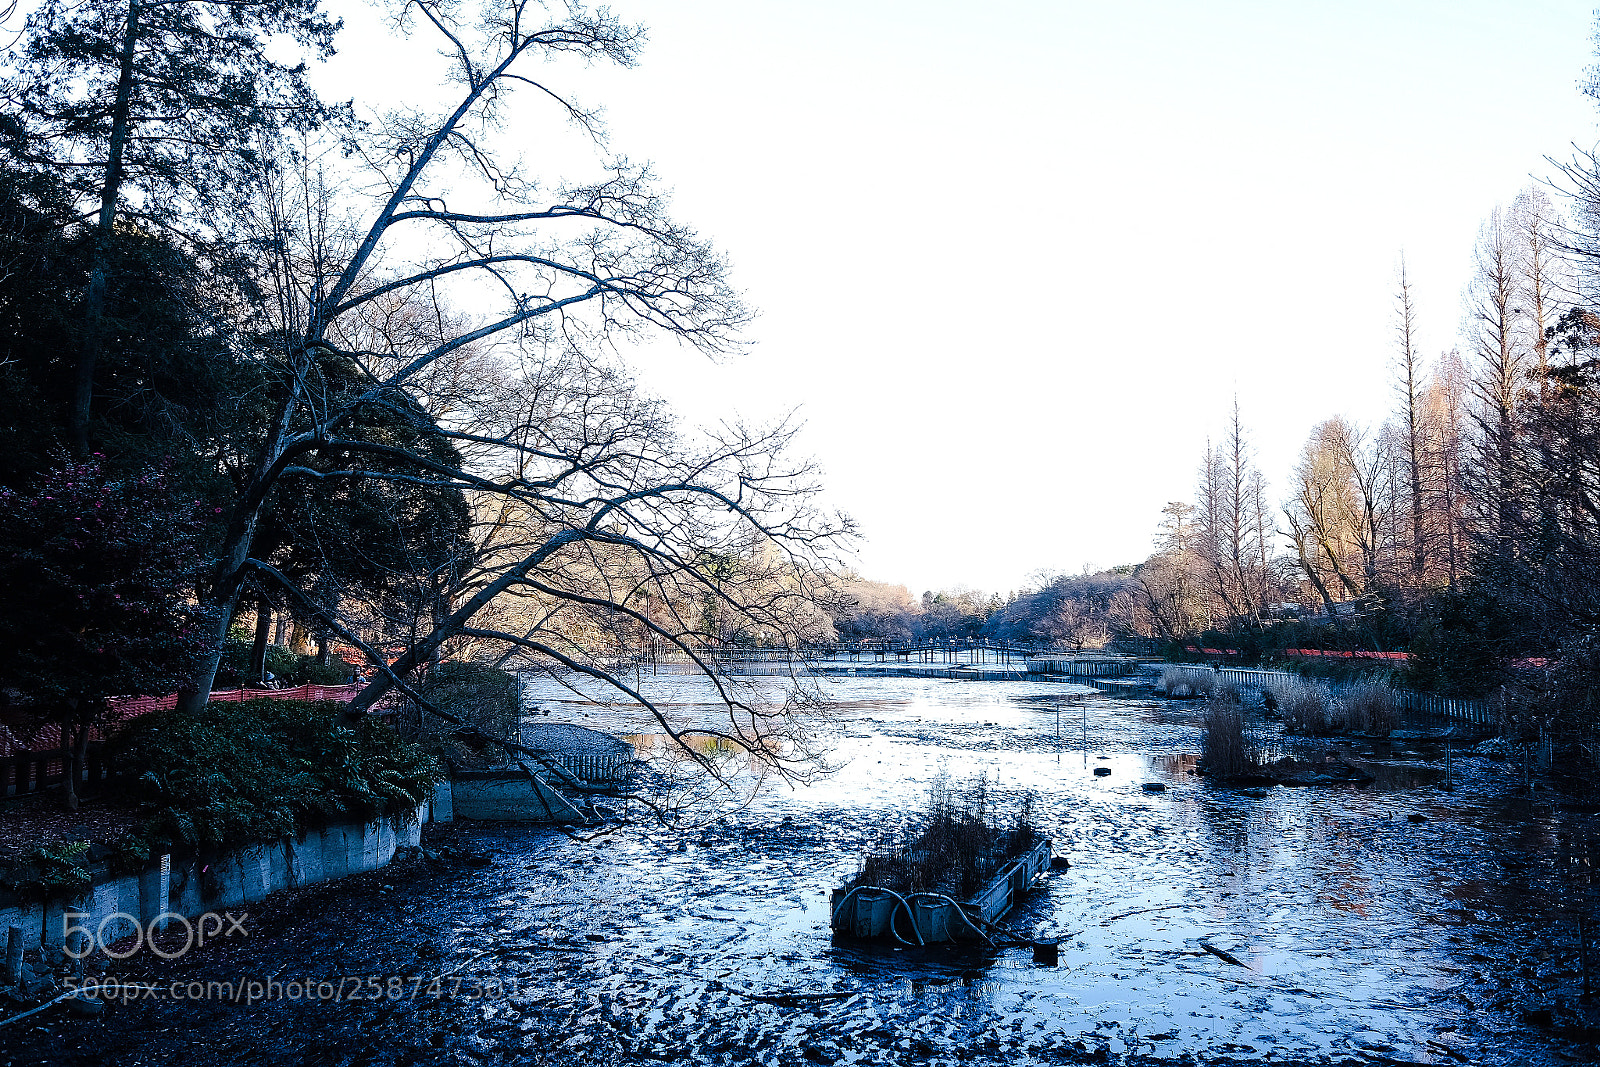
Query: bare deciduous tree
1409	372
589	503
1499	336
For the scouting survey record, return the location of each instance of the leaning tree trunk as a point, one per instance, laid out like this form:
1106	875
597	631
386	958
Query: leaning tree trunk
75	739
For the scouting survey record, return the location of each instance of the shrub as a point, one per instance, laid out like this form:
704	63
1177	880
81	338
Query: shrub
959	848
309	672
288	667
234	773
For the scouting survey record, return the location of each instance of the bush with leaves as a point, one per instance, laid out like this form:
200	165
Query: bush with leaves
286	666
236	773
484	697
93	575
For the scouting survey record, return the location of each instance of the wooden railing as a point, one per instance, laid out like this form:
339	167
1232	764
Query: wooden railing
1085	667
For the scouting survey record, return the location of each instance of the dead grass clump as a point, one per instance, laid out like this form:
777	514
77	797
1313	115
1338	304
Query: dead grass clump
960	846
1183	683
1369	708
1306	709
1225	750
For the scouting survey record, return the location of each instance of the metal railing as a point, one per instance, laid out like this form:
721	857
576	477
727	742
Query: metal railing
1477	711
591	767
29	772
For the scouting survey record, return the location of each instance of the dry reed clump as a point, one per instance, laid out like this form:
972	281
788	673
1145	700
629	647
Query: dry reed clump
1184	683
959	849
1225	751
1306	708
1369	708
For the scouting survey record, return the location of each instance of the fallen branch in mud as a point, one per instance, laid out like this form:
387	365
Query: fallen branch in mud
36	1009
790	1000
512	950
1225	957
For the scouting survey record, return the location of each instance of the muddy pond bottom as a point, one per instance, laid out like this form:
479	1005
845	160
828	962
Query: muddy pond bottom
1394	922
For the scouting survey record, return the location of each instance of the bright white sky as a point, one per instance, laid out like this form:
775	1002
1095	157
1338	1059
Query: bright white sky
1014	260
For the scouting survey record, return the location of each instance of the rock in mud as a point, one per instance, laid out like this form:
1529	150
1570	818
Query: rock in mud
85	1008
1538	1016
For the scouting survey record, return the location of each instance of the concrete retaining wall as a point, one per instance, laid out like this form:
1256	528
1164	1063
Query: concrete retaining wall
231	881
510	796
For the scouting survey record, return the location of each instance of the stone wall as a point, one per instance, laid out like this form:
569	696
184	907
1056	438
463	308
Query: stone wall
510	796
191	888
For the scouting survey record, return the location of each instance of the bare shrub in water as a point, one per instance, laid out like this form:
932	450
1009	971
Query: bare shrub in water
1225	750
960	846
1184	682
1368	708
1306	709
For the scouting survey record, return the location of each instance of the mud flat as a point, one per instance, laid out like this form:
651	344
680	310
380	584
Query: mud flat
1390	921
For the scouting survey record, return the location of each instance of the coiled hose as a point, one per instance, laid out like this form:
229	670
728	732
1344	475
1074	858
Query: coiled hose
902	901
959	911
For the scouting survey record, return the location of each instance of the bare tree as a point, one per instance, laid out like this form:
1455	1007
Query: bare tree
1498	324
1409	373
1232	528
1445	401
1544	275
1172	581
599	500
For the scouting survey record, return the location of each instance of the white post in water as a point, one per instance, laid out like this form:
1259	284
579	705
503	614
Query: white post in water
13	975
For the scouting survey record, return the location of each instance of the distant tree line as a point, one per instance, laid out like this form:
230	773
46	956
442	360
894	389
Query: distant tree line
1087	611
1464	530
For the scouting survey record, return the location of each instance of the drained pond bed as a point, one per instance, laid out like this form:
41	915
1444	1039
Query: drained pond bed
1392	921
